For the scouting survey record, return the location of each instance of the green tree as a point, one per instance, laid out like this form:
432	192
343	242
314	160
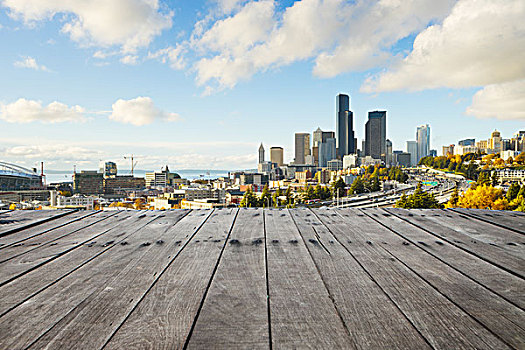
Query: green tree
357	186
266	198
290	201
249	200
374	184
275	197
453	201
338	188
513	191
483	178
418	200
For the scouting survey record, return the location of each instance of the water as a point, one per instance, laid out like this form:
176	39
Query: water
53	176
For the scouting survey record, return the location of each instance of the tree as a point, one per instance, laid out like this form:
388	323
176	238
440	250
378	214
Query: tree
289	197
249	200
520	158
374	184
418	200
453	201
357	186
265	199
275	197
513	191
483	197
338	188
483	178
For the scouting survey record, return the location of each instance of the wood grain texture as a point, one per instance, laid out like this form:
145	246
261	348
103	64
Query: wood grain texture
234	313
252	278
500	281
163	319
297	292
21	236
18	265
499	316
373	320
510	220
38	240
20	219
103	311
442	323
28	321
463	236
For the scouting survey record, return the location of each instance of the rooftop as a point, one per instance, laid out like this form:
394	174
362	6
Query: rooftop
253	278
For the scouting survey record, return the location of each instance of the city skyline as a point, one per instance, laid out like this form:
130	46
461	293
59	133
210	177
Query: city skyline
168	85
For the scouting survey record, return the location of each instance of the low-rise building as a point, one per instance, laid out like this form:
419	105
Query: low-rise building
509	175
88	182
208	203
335	165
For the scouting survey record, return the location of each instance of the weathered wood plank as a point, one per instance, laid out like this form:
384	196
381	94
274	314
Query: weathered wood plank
467	235
17	266
163	319
302	314
23	235
373	320
507	285
442	323
501	317
102	312
235	311
51	236
28	321
22	219
512	220
512	263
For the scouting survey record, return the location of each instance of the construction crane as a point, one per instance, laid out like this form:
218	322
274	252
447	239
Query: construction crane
133	163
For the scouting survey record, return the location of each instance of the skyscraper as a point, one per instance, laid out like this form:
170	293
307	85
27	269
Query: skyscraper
423	141
345	127
277	155
320	136
375	135
412	149
302	147
261	153
389	159
326	152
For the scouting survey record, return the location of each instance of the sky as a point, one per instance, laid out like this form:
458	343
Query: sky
200	84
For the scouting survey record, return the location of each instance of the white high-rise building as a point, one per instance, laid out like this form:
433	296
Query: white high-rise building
412	149
423	141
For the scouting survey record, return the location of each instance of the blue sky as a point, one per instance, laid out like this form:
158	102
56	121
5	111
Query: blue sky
199	84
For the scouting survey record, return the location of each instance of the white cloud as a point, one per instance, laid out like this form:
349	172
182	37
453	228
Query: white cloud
174	56
501	101
25	111
481	42
52	152
341	36
139	111
228	6
30	62
130	24
130	60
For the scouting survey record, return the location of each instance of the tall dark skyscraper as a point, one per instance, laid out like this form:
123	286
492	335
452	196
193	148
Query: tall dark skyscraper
345	126
375	135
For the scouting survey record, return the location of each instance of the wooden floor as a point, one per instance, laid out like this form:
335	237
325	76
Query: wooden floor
253	278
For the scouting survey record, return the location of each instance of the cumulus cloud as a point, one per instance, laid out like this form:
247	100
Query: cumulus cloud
340	36
139	111
30	62
502	101
130	24
481	42
25	111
